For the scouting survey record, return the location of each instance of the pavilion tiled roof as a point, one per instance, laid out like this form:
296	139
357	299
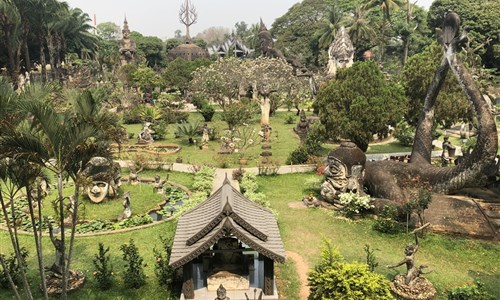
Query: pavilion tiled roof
226	212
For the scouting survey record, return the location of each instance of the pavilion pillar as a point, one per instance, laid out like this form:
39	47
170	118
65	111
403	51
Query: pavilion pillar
188	284
268	276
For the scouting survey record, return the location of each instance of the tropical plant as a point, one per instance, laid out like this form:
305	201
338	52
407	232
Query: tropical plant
103	270
134	276
189	130
163	271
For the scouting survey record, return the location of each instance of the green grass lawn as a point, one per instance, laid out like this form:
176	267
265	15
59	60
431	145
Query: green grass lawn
283	141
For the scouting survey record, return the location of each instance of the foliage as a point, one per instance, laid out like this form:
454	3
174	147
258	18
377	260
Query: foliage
93	226
149	113
371	260
333	278
298	156
189	130
203	180
451	104
179	73
353	203
146	78
160	130
238	174
249	187
386	221
237	114
404	133
133	221
359	104
315	138
103	270
244	137
134	276
418	198
290	119
149	48
163	271
469	292
207	111
13	268
172	116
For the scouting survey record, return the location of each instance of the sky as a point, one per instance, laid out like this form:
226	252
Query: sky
161	17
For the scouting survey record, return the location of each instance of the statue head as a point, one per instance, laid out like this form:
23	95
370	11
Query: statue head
221	292
409	249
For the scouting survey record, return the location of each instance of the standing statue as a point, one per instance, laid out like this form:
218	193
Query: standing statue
448	152
302	127
158	184
205	137
412	285
127	212
127	46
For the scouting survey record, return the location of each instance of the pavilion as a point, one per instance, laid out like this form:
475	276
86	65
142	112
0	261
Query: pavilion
227	240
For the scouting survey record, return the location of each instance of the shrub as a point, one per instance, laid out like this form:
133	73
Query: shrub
103	270
207	111
315	138
13	268
333	278
237	114
164	273
203	180
290	119
469	292
134	276
174	116
297	156
132	116
160	130
354	203
248	183
386	221
404	133
238	174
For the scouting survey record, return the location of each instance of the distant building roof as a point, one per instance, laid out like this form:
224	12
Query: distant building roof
226	213
188	51
232	43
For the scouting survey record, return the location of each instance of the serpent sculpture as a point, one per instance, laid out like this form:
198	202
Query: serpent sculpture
385	179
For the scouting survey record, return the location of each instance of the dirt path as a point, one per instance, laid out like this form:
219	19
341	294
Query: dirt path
302	270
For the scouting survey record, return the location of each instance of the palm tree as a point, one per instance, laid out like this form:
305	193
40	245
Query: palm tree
10	24
330	27
360	27
386	6
61	143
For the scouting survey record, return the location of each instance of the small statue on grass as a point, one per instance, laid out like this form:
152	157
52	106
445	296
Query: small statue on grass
412	285
127	212
158	184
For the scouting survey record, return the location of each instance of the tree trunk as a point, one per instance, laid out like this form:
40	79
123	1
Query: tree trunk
64	294
15	245
38	237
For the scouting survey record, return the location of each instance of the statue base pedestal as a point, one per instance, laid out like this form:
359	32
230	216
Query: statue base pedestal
53	282
420	289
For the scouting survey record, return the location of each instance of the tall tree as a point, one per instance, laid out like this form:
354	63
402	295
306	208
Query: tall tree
359	104
10	24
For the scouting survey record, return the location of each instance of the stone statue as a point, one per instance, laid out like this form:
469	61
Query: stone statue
344	172
127	46
106	178
412	285
221	293
302	127
340	53
205	137
133	177
448	152
146	135
158	184
127	212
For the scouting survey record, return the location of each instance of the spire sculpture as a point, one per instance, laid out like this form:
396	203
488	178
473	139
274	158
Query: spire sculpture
127	46
188	16
340	53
